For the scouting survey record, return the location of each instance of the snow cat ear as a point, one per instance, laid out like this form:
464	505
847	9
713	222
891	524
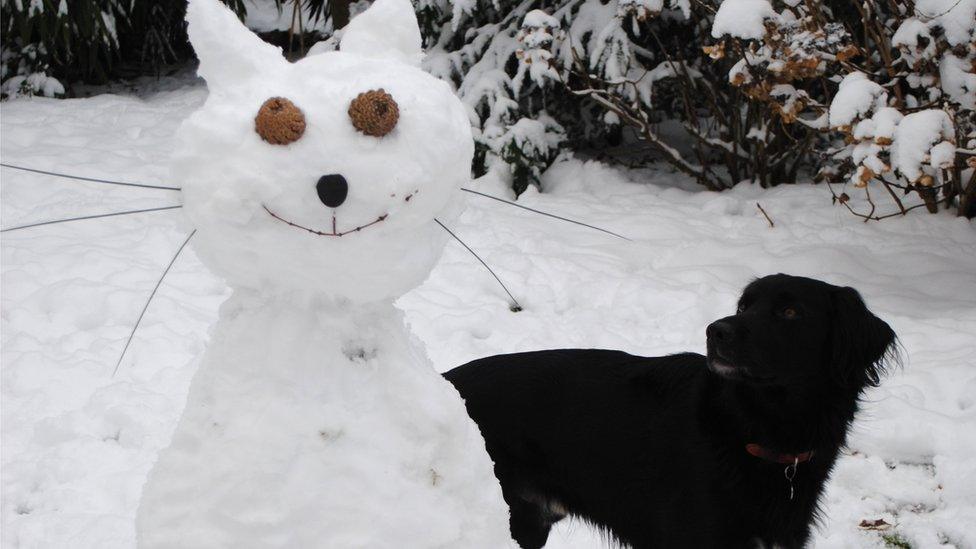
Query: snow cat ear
229	53
387	30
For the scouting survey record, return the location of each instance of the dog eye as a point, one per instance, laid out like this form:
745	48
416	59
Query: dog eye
789	313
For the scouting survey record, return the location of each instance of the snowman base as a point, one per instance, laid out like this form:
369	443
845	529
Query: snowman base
320	425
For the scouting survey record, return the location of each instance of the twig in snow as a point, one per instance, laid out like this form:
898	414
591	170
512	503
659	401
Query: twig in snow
515	307
771	224
91	179
56	221
148	301
517	205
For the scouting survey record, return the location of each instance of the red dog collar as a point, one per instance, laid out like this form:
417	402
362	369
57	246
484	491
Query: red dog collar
777	457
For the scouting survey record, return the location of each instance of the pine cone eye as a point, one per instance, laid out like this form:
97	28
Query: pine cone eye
279	121
374	112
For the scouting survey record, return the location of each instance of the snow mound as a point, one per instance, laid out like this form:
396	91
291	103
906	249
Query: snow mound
957	80
348	438
923	137
316	190
880	127
743	19
956	17
540	19
857	97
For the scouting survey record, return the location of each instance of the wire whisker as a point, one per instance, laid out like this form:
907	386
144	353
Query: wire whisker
540	212
90	179
516	307
148	301
55	221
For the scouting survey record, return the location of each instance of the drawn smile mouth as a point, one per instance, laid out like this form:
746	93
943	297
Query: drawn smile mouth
335	231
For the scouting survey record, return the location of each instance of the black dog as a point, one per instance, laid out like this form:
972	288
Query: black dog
731	450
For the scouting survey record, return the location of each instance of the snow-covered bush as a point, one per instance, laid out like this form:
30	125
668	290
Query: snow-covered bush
501	57
48	45
725	91
46	42
586	69
36	83
732	134
891	86
507	60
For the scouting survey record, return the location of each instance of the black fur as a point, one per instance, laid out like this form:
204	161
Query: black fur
653	449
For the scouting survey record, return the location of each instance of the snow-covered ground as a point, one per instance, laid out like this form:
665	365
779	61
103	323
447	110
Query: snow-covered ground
77	443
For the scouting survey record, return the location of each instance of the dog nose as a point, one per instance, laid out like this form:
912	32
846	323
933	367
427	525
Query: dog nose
332	190
720	331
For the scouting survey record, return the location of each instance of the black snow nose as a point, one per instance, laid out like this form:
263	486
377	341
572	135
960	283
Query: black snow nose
332	190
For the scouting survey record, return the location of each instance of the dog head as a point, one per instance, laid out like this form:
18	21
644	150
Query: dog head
790	329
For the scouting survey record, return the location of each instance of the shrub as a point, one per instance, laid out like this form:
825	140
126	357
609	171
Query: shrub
726	91
587	68
892	88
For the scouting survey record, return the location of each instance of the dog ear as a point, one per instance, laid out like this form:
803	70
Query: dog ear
862	344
